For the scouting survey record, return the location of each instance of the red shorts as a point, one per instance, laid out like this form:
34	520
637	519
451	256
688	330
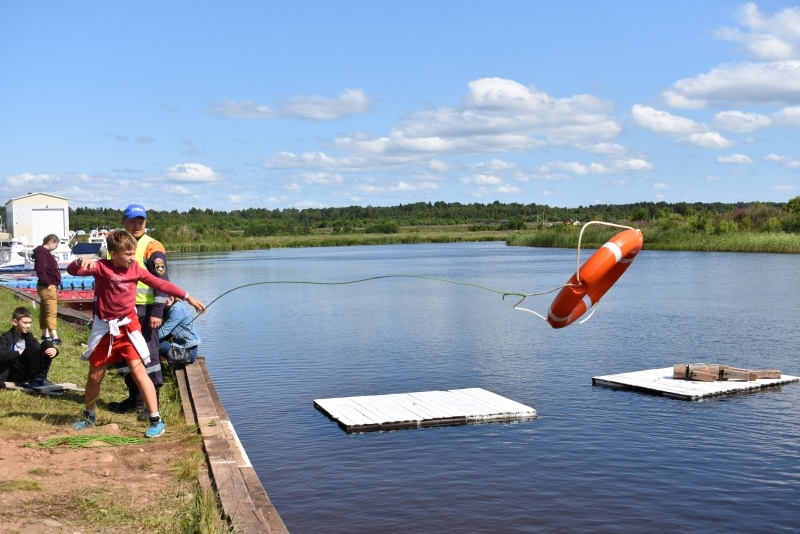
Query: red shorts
121	349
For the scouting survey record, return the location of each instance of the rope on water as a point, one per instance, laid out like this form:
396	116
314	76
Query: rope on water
77	442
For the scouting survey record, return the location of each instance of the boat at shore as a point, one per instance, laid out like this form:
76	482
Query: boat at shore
15	256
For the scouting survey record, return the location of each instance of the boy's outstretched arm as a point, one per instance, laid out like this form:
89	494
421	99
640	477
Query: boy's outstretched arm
196	304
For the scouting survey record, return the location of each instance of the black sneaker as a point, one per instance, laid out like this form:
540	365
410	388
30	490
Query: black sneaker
126	406
57	342
39	383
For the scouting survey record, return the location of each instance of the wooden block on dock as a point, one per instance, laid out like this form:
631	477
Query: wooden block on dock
680	370
704	377
703	371
767	373
732	373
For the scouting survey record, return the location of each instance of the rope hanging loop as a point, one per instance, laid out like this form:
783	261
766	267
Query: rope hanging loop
595	277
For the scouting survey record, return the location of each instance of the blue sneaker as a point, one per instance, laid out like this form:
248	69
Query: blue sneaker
86	422
155	430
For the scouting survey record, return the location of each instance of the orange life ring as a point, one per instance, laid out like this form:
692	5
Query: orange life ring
597	275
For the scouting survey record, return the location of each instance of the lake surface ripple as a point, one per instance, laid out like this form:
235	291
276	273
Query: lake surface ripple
595	460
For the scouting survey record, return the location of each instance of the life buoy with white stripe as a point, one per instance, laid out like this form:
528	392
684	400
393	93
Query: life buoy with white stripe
597	275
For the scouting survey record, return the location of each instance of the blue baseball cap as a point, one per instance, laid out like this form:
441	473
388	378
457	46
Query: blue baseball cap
135	210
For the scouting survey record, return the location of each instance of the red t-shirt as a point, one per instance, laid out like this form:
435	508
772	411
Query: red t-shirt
115	287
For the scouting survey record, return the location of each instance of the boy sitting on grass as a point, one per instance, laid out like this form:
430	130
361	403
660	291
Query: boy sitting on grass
116	333
22	359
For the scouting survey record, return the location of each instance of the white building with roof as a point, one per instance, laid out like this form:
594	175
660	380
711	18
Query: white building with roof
31	217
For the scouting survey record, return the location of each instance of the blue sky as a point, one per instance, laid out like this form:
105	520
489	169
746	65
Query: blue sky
317	104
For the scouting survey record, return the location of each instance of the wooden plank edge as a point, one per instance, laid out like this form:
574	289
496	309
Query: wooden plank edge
268	518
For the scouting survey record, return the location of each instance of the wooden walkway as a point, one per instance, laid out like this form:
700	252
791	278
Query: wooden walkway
660	382
422	409
240	492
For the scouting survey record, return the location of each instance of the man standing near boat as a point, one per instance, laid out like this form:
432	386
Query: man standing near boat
150	304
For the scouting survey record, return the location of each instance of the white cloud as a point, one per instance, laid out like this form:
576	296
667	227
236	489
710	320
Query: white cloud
660	186
768	38
741	122
755	83
579	168
777	158
785	161
292	187
603	148
735	159
633	164
788	116
681	129
707	140
438	165
399	187
192	172
243	110
317	108
773	76
321	178
663	122
308	204
482	179
32	180
499	190
311	160
495	164
496	115
349	102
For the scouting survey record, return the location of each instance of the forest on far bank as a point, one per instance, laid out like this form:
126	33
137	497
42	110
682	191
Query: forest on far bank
262	222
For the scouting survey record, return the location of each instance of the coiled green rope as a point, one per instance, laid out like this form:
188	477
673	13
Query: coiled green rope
77	442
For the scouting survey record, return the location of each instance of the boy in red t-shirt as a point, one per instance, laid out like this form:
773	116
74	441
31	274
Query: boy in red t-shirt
116	332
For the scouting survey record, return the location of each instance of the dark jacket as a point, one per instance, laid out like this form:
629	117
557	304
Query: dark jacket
46	267
21	363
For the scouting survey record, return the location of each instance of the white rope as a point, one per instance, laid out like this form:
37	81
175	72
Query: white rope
580	236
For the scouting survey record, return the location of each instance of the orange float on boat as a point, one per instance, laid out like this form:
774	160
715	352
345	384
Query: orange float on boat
594	278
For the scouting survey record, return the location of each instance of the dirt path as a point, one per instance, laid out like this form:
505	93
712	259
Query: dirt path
55	490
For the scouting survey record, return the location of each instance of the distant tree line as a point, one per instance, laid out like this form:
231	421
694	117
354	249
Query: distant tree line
260	222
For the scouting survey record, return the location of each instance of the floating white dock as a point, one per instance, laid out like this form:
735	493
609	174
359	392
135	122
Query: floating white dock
422	409
660	382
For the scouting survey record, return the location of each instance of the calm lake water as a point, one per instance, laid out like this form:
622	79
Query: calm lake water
595	460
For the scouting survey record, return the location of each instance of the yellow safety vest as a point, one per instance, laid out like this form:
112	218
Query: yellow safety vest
144	293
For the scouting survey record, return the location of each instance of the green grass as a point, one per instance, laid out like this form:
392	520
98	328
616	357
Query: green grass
183	506
659	236
658	239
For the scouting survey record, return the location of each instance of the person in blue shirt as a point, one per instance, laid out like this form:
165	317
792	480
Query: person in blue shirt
178	329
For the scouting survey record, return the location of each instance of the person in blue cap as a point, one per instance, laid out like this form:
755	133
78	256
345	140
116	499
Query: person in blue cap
150	305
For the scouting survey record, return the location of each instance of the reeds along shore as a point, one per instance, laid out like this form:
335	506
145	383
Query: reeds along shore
560	236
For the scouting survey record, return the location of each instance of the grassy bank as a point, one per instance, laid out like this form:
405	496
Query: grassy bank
216	243
657	239
561	236
179	503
